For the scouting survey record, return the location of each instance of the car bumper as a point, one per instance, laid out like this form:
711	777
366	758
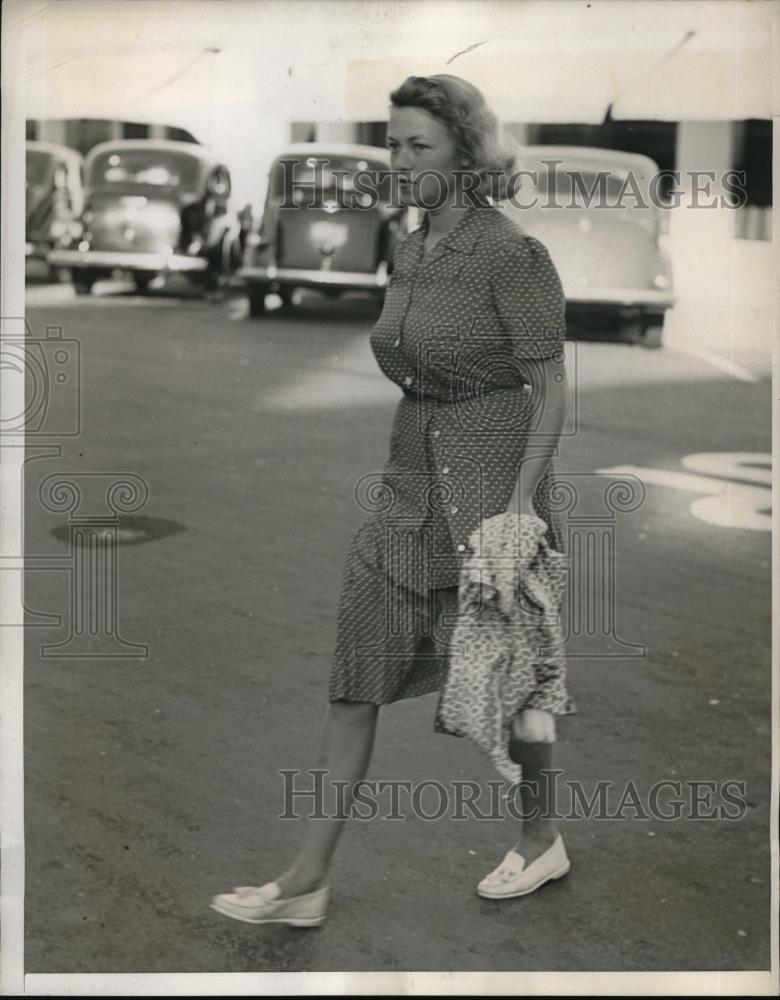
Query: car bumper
647	299
312	279
126	261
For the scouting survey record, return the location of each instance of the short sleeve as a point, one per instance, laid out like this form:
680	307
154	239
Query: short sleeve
529	300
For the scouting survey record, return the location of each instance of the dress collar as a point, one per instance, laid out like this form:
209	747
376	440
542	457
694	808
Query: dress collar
463	234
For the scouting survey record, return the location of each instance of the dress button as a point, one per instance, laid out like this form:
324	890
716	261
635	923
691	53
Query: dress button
408	380
461	548
397	342
445	470
436	433
453	510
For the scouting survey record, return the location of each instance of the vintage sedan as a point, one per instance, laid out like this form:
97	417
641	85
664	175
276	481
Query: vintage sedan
600	217
54	198
327	224
153	207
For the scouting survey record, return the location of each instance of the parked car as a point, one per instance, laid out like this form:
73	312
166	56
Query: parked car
153	207
320	228
610	253
54	198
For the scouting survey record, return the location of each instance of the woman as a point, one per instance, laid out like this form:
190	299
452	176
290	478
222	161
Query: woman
472	330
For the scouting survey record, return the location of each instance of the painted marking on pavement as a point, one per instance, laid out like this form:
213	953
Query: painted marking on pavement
737	486
711	358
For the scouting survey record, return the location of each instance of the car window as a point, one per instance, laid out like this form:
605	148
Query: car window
152	168
579	185
324	174
39	167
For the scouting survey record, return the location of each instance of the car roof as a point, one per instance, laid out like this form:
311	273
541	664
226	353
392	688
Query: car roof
194	149
591	154
335	149
55	148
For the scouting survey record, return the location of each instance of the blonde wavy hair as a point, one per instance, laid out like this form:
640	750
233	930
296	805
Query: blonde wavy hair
462	109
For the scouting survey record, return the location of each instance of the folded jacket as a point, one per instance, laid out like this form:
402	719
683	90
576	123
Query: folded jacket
507	650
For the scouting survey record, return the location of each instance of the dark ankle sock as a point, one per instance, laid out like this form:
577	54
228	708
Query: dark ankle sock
536	788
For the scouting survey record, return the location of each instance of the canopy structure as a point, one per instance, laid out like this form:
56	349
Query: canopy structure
236	73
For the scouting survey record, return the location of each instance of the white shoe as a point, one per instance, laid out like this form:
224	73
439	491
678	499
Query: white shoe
261	905
514	878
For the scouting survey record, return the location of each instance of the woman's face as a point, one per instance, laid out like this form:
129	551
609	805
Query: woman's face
424	153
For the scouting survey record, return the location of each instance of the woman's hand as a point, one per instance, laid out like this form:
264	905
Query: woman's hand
533	725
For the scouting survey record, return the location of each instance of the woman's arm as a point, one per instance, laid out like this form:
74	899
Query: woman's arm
547	379
531	309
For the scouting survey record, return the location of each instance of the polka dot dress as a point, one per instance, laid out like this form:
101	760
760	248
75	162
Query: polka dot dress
459	333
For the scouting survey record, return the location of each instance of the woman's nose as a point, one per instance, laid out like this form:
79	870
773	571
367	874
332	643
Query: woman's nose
400	162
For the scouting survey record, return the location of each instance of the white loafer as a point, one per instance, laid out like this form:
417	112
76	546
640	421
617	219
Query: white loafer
261	905
514	878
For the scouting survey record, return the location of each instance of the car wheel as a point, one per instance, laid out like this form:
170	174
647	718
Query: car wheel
141	281
83	282
646	331
652	332
58	275
256	301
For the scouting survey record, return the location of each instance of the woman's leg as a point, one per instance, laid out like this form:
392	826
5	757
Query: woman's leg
532	746
345	753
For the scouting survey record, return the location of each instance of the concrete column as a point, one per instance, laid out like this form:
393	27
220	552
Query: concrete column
705	146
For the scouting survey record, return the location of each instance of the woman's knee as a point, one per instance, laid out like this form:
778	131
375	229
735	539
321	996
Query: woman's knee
532	725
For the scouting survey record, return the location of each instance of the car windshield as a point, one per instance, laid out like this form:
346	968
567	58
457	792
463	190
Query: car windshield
39	166
320	172
581	185
154	168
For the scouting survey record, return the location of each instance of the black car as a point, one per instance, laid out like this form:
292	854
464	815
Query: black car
328	223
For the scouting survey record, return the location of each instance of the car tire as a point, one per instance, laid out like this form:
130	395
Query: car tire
256	301
653	332
83	282
58	275
141	281
646	331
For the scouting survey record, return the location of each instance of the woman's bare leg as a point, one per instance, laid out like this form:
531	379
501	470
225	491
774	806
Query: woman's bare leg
345	754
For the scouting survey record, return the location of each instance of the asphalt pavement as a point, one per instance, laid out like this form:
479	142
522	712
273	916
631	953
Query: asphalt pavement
152	783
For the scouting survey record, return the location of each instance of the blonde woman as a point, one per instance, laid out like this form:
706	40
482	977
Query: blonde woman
472	331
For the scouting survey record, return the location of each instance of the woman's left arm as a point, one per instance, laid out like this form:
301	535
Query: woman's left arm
549	393
531	309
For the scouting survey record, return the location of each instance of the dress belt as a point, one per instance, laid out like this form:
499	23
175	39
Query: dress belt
451	399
